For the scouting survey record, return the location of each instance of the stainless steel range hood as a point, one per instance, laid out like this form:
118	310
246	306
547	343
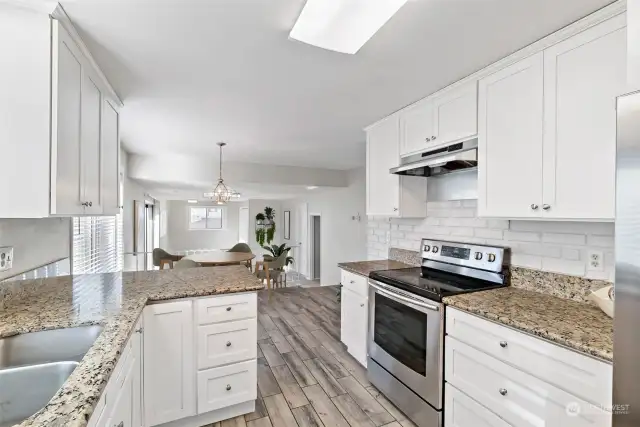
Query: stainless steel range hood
455	157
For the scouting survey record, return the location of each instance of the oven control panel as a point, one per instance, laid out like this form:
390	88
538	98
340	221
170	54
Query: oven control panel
482	257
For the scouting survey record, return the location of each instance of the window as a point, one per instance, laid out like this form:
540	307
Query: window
206	218
96	245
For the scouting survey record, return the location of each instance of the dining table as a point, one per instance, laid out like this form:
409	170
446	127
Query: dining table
212	259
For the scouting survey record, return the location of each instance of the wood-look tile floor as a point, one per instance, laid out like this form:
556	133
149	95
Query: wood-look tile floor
306	378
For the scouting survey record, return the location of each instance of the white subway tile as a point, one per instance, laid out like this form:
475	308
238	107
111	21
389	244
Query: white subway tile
462	231
601	241
572	254
564	239
439	213
500	224
380	232
521	236
600	275
487	233
574	268
444	204
570	227
528	261
430	221
406	227
470	203
463	213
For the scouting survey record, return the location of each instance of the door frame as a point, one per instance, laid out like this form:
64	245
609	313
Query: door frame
311	245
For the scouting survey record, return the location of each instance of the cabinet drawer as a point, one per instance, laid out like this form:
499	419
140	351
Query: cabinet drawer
462	411
224	343
226	308
355	283
580	375
519	398
227	385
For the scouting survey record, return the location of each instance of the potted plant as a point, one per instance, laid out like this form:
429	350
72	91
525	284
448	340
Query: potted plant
275	251
260	236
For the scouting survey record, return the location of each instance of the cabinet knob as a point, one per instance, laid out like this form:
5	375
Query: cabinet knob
433	138
139	331
228	308
90	203
119	425
395	209
503	391
85	204
503	344
352	281
534	206
228	343
361	305
427	139
546	207
228	387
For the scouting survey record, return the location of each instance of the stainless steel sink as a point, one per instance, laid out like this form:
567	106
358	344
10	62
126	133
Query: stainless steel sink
25	390
34	366
57	345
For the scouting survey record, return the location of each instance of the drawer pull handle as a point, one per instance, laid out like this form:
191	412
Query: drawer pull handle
352	282
503	391
228	343
503	344
228	308
228	387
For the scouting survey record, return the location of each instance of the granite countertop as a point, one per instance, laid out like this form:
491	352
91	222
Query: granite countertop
365	267
579	326
113	300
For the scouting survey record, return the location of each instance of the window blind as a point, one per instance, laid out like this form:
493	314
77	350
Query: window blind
97	244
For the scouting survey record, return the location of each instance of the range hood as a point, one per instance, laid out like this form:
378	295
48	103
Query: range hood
455	157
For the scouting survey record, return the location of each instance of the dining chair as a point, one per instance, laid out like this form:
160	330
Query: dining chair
243	248
272	271
185	263
162	258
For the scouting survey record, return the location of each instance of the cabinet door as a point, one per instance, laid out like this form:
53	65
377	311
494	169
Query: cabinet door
417	130
224	343
122	411
456	114
169	371
510	141
462	411
382	154
361	310
583	76
90	117
110	151
65	121
346	317
136	386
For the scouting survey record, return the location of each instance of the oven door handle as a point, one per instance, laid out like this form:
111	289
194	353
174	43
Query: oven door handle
401	298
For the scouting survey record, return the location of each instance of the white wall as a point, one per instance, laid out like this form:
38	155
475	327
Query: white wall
132	191
35	242
560	247
180	238
342	237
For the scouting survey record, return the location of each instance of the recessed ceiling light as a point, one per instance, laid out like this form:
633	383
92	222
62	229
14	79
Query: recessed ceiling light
342	25
192	201
312	187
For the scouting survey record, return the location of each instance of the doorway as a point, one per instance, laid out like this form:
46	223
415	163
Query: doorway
314	245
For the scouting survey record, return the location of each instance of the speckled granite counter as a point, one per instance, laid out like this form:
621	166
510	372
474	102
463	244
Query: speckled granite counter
113	300
576	325
365	267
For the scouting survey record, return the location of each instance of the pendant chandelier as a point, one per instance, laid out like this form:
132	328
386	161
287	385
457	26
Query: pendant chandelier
221	194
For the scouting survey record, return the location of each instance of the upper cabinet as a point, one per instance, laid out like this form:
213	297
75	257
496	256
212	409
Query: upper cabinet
388	194
64	130
547	129
438	120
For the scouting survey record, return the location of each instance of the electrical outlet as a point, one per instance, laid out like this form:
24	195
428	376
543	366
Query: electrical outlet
596	261
6	258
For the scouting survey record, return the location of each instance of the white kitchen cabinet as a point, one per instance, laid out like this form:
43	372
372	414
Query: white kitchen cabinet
547	129
417	127
224	343
389	194
122	413
442	119
354	310
110	158
463	411
455	114
510	116
227	385
583	75
57	127
169	362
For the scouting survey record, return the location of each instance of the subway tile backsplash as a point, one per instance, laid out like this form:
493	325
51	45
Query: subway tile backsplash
559	247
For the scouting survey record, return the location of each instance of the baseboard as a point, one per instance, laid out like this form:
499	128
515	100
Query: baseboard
214	416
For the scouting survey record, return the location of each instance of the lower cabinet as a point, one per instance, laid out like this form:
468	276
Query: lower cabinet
354	311
485	387
227	385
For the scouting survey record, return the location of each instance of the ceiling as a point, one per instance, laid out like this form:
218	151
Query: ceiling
194	72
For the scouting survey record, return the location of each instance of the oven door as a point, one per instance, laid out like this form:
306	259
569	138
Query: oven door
406	339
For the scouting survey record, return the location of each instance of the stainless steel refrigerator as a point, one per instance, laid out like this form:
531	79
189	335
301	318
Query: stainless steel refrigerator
626	337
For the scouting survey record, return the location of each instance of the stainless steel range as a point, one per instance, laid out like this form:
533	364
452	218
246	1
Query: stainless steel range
406	321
